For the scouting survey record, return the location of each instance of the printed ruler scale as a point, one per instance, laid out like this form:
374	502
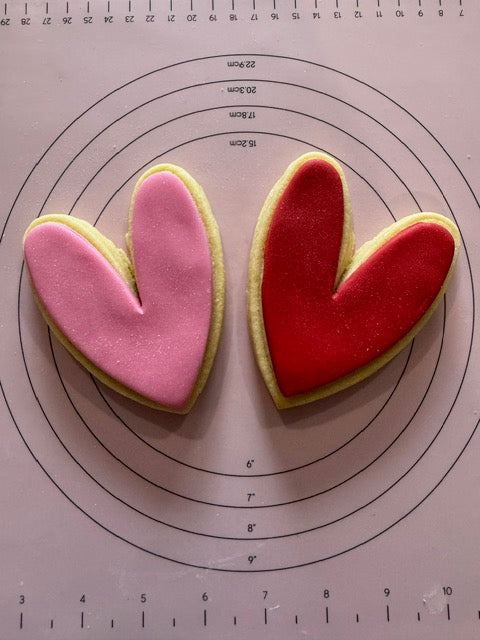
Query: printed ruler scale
355	517
66	12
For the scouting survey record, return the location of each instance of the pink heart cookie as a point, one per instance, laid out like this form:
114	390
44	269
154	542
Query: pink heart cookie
149	327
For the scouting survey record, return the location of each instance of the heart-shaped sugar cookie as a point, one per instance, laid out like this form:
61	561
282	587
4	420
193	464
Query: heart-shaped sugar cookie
148	327
321	318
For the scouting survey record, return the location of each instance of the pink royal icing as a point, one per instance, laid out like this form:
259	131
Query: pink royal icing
155	343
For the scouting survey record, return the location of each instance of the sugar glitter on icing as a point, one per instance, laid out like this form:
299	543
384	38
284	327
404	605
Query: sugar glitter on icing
153	345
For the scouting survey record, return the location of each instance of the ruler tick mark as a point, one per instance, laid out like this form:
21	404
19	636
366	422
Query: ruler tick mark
388	613
418	616
296	619
81	620
265	617
174	622
46	8
143	619
51	624
26	8
235	620
326	615
357	617
21	619
111	624
204	617
448	611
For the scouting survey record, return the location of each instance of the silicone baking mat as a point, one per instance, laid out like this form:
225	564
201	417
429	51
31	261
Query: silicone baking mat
355	517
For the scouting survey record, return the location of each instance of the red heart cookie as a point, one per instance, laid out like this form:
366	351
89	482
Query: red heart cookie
322	319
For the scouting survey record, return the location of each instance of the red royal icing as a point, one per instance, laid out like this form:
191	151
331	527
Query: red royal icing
317	335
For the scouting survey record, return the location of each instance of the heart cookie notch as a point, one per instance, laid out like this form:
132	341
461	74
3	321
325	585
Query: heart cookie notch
146	324
322	317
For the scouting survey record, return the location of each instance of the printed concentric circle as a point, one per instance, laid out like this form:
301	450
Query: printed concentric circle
236	479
